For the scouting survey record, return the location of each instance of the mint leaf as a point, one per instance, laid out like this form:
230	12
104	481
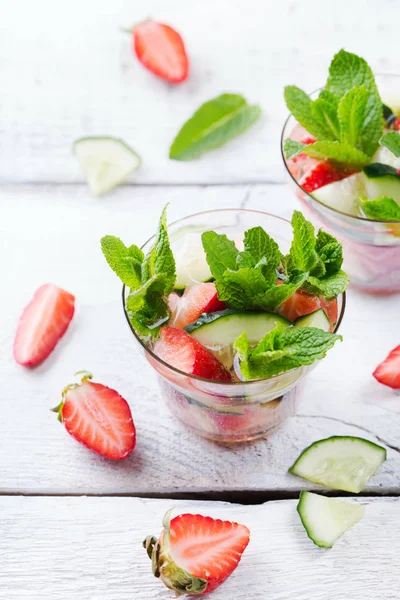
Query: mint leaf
326	115
239	288
300	105
264	250
292	148
164	261
303	255
391	141
330	252
337	151
220	252
381	209
276	295
147	307
282	350
351	113
212	125
329	286
125	262
346	71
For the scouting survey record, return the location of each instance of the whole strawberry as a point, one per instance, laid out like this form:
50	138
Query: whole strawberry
97	417
195	554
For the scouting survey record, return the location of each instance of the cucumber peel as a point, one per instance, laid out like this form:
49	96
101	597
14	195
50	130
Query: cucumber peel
340	462
326	519
105	161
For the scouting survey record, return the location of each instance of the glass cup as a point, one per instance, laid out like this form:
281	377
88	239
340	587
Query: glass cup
371	249
219	410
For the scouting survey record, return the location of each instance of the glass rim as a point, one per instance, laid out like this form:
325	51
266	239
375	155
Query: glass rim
196	377
333	210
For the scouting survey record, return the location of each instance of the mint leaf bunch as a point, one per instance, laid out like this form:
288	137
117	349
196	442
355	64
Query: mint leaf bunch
320	257
150	278
282	350
346	118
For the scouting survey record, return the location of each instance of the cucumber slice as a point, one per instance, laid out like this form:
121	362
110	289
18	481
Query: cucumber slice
343	195
382	180
340	462
217	331
105	161
385	157
316	319
191	263
326	519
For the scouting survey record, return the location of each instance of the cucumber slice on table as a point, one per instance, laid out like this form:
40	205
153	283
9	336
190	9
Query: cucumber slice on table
382	180
326	519
217	331
343	195
191	263
106	162
340	462
316	319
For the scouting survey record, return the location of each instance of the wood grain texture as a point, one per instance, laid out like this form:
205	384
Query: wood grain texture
51	233
67	71
90	548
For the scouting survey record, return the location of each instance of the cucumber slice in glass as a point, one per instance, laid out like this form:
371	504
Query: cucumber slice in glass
326	519
340	462
191	263
343	195
105	161
382	180
316	319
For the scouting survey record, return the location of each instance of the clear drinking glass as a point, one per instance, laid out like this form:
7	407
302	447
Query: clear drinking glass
371	249
218	410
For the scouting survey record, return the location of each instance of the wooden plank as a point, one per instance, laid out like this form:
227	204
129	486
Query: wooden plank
90	548
51	233
68	71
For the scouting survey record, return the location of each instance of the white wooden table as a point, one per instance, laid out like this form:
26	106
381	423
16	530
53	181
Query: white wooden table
66	71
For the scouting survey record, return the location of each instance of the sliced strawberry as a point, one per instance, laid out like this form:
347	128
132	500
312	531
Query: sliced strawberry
396	125
197	299
301	303
331	309
180	350
388	372
195	554
98	417
322	174
43	322
161	50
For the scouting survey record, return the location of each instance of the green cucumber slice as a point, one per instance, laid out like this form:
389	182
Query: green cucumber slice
340	462
326	519
385	157
382	180
217	331
316	319
191	263
105	161
343	195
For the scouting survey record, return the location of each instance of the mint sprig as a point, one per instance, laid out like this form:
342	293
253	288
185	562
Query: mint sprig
149	278
282	350
381	209
391	141
346	119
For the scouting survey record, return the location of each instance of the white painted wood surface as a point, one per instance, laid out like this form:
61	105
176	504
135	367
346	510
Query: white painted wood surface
90	548
51	233
66	70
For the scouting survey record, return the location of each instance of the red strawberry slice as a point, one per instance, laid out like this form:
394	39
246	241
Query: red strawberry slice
98	417
161	50
178	349
42	324
196	554
388	372
301	303
197	299
322	174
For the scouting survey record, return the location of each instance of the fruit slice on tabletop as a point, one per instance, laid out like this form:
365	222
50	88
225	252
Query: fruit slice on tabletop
196	554
388	372
178	349
197	299
161	50
343	195
326	519
105	161
97	417
301	303
42	324
340	462
217	331
322	174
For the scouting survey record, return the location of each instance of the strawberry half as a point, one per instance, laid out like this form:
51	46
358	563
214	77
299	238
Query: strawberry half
322	174
195	554
161	50
197	299
98	417
42	324
178	349
388	372
301	303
